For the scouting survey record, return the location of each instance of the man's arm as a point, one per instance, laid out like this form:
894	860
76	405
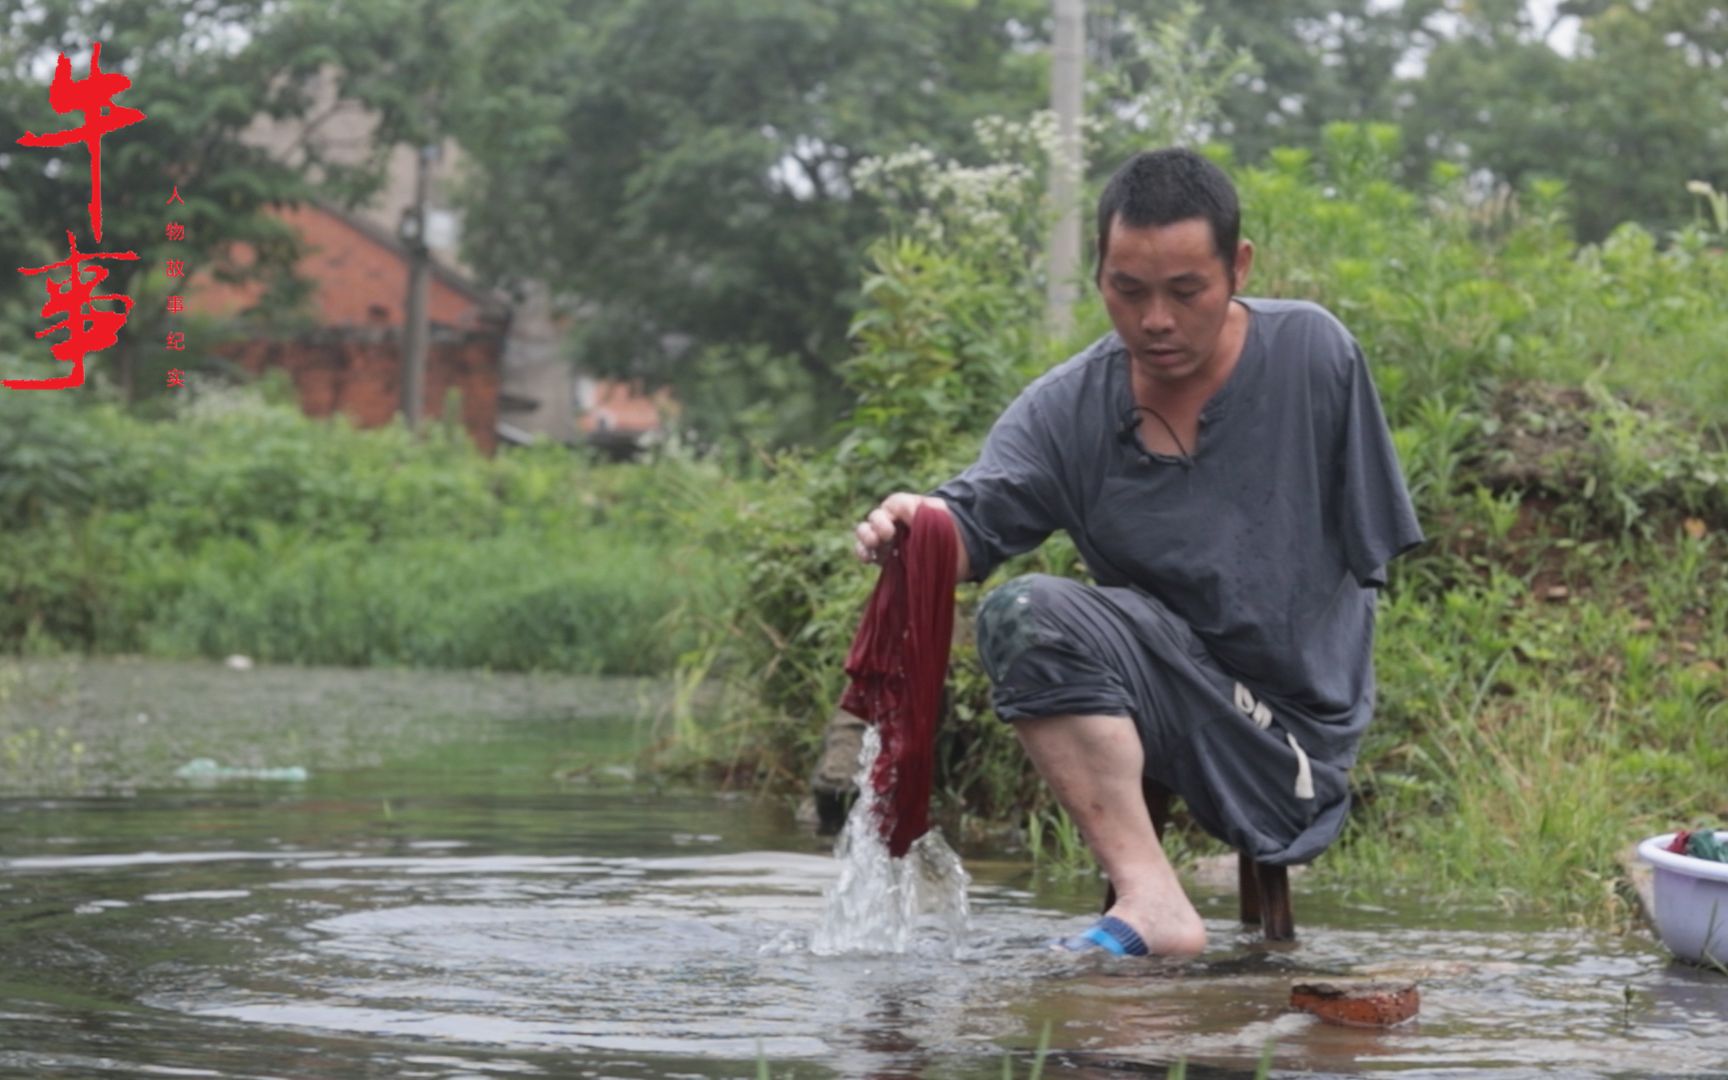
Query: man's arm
1004	503
876	531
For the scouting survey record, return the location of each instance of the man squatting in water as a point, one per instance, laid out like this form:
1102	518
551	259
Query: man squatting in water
1224	468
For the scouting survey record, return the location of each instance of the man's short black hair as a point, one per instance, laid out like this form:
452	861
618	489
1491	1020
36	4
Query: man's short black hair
1162	187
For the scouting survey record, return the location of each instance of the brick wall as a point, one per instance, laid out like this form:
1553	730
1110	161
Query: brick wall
353	361
358	372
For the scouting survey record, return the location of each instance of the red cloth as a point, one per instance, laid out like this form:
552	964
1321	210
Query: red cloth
898	663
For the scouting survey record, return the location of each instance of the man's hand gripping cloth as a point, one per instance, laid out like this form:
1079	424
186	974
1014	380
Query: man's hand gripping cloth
898	663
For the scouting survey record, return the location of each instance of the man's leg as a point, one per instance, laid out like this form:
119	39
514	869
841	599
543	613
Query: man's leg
1093	765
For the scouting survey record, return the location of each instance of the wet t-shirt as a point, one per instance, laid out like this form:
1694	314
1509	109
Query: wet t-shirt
1268	538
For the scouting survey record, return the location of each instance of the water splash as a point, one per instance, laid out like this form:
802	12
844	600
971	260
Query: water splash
882	905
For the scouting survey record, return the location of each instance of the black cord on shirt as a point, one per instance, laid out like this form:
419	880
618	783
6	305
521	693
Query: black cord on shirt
1129	423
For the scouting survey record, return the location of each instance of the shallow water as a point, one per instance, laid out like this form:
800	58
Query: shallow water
460	910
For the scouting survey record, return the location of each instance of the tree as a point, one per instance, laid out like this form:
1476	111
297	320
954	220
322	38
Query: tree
199	77
202	72
1651	100
683	166
1316	61
1626	119
1639	109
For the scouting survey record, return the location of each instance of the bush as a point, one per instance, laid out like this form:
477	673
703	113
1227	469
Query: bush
242	526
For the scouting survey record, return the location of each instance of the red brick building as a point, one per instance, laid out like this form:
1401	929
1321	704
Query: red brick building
352	360
617	416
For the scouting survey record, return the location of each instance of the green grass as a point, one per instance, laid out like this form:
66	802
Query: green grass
1539	716
237	526
1055	846
578	602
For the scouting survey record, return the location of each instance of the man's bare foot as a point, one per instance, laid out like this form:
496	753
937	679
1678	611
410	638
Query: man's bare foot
1173	930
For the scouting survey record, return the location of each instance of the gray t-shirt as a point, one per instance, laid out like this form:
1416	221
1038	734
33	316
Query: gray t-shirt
1268	540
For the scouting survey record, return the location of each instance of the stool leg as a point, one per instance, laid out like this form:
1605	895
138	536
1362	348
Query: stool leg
1158	808
1276	920
1247	888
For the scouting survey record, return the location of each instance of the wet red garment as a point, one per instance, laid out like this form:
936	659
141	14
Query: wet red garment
898	663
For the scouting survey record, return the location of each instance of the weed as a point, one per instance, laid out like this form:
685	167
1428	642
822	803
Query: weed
1054	842
1038	1056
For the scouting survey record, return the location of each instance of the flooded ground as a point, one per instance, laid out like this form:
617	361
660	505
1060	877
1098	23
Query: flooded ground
469	885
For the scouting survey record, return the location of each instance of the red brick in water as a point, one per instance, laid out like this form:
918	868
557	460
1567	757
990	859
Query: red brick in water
1373	1004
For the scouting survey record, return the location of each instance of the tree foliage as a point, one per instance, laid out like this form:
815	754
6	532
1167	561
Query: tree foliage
1482	82
1316	61
203	73
684	172
685	167
200	82
1637	110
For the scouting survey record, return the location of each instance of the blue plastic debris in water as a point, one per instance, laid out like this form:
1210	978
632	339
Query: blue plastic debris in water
206	769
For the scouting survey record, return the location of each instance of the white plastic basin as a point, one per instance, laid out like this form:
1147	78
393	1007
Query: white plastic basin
1691	902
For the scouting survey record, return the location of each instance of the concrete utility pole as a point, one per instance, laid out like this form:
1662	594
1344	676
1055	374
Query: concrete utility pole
1067	72
419	277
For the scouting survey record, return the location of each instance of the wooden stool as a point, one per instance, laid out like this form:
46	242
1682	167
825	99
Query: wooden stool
1264	891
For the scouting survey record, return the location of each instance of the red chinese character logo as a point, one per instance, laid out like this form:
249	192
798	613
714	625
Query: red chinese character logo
176	267
176	377
176	304
87	329
176	231
177	341
94	97
175	198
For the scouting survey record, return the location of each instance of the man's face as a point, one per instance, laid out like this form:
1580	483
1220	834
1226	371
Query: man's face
1168	294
